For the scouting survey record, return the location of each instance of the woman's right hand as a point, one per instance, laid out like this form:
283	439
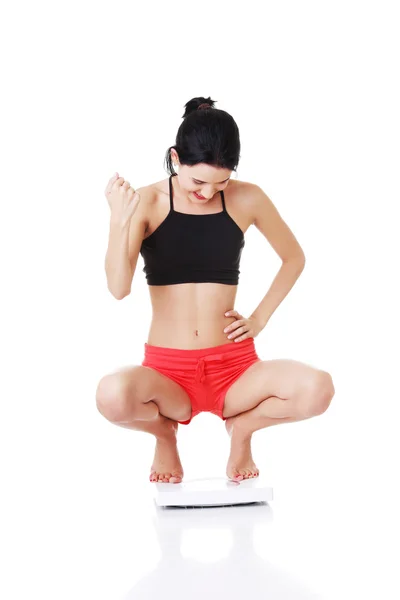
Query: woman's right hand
122	199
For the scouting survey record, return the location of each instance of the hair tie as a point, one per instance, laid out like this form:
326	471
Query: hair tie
204	105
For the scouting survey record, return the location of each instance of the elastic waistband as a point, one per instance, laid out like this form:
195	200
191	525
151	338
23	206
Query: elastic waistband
198	352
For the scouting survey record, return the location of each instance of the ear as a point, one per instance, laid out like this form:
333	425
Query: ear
174	156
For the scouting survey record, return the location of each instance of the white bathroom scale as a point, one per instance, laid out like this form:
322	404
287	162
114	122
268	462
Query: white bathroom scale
218	491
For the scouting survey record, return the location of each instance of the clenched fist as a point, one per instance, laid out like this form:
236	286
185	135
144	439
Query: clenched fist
122	199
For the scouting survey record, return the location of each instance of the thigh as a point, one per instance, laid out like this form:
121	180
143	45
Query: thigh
283	378
143	384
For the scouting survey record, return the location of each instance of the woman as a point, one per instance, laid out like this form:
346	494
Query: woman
200	353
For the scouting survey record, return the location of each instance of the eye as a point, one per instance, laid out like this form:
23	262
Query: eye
199	182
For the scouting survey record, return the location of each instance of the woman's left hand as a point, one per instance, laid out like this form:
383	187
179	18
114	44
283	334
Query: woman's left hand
242	328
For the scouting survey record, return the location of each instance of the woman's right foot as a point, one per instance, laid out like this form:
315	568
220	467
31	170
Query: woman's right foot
167	467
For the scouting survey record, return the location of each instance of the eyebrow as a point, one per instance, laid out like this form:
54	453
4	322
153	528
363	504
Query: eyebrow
194	178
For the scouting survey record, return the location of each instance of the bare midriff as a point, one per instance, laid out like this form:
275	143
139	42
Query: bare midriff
192	315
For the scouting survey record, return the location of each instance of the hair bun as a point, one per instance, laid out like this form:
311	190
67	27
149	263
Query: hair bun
199	103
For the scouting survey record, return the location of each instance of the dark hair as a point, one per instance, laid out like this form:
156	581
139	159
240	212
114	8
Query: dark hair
208	135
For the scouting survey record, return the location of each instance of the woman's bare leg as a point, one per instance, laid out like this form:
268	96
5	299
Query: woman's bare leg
271	411
166	466
122	398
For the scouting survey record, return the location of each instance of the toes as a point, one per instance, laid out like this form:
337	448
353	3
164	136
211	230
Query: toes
254	473
242	474
157	477
250	473
247	473
175	479
165	477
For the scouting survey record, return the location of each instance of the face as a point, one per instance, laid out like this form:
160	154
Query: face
202	179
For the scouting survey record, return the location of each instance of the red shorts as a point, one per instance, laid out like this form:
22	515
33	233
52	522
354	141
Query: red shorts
205	374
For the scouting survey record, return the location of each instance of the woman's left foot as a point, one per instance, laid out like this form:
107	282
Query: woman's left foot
240	464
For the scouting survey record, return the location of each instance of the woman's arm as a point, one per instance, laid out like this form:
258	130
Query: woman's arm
128	223
117	264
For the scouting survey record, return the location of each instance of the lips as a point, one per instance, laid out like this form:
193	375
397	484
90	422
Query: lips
199	197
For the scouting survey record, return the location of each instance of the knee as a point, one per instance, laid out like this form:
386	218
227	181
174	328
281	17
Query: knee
319	393
111	398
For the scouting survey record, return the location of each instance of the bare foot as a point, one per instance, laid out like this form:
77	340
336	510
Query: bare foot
240	463
167	467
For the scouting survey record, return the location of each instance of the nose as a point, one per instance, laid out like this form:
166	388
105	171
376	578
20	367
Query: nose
204	193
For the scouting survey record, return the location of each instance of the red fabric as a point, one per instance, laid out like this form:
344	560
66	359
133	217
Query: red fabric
205	374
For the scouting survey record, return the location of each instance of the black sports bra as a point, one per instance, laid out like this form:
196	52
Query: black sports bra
187	248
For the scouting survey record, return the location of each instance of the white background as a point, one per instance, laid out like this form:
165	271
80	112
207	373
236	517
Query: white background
93	88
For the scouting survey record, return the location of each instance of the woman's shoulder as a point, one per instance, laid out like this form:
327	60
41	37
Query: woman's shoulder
243	187
153	191
243	197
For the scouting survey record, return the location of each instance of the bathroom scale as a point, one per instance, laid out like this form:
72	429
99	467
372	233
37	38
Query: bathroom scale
217	491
